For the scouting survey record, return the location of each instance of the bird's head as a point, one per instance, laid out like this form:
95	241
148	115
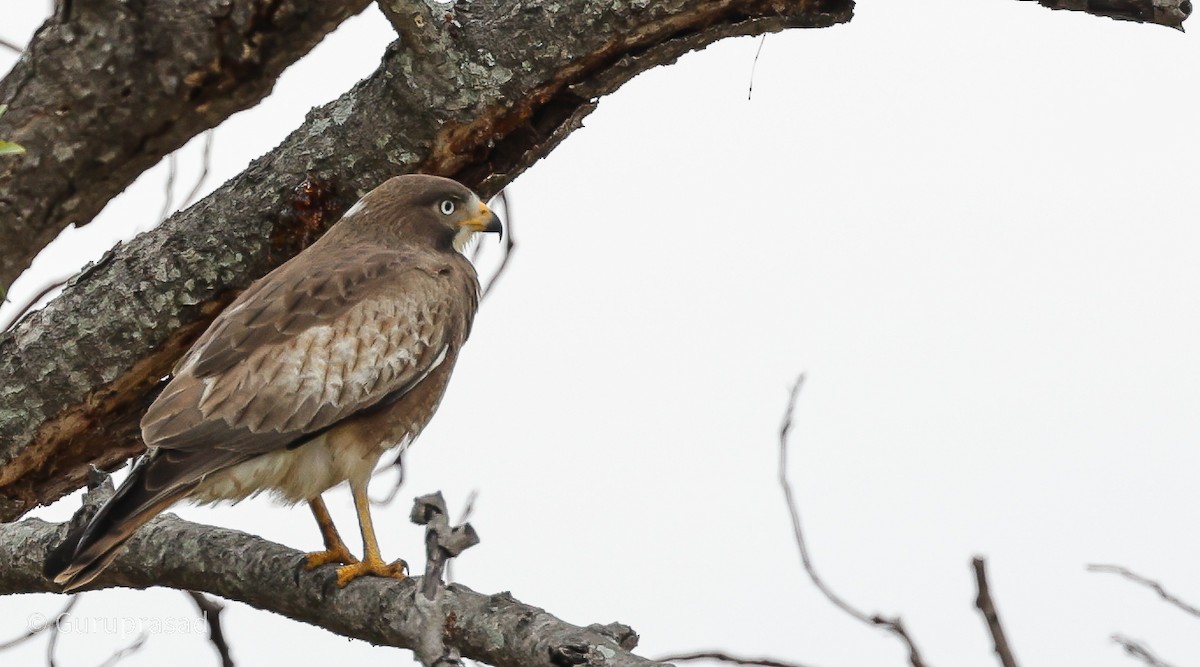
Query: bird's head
422	207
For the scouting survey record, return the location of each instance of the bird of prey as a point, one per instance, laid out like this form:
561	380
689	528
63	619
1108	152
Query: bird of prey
309	376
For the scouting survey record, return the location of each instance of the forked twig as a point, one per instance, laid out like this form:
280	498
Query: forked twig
211	610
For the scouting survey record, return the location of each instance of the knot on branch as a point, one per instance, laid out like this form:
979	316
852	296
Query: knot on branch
622	634
442	542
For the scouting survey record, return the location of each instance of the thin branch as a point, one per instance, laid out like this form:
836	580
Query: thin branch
30	303
169	187
211	611
123	653
894	625
39	624
1148	583
11	46
465	516
726	657
398	464
984	603
510	244
754	66
205	164
1139	651
53	628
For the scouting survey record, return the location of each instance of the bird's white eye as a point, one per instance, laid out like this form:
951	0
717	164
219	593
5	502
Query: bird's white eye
447	206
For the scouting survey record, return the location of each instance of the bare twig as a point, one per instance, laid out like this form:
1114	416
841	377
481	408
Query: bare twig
169	187
463	518
11	46
754	66
53	632
1139	651
39	624
725	657
205	164
123	653
984	603
893	625
30	303
510	244
1148	583
398	464
211	610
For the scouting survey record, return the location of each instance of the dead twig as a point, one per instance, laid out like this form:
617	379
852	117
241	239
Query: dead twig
206	162
211	610
462	518
893	625
123	653
510	245
53	628
983	601
398	464
11	46
30	303
725	657
1139	651
169	187
39	624
1148	583
754	66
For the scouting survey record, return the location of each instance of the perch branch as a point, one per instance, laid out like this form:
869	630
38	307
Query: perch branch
172	552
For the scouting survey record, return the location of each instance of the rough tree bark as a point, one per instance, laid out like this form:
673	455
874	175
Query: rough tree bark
496	629
477	91
468	99
107	88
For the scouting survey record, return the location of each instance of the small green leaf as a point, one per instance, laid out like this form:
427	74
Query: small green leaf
9	148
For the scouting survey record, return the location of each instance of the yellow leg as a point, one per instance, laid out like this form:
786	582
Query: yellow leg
336	550
371	563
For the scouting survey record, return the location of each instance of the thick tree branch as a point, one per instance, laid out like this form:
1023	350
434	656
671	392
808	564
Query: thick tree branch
234	565
76	376
1169	13
98	99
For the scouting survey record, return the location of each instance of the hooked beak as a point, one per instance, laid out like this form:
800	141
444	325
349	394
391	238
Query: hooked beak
484	221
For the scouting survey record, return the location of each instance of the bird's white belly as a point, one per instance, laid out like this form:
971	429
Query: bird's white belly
293	475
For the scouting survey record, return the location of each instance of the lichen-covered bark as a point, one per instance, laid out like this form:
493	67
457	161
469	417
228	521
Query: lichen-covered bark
104	92
494	629
476	95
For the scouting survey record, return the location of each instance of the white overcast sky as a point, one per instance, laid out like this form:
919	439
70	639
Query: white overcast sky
973	224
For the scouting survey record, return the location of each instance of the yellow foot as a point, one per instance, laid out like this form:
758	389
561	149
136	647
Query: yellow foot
397	569
339	554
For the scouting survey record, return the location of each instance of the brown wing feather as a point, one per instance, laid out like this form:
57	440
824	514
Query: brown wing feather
371	321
